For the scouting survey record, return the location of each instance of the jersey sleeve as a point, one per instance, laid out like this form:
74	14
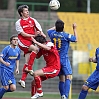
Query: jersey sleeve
4	52
18	27
37	25
70	37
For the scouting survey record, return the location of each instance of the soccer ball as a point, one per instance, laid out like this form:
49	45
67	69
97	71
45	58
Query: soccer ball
54	4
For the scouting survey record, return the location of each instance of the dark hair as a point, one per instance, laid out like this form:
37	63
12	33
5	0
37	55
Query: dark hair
40	39
13	36
59	24
20	9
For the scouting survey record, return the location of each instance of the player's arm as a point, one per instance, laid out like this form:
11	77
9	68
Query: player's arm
17	67
38	27
3	62
53	28
75	32
41	45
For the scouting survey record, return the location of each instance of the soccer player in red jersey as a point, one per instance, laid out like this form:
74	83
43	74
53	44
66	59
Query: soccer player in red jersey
52	68
27	27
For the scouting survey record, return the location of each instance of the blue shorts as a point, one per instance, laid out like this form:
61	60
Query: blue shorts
65	66
93	80
6	77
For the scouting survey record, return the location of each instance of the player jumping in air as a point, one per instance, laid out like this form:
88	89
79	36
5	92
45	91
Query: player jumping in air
27	27
62	40
52	68
93	80
9	60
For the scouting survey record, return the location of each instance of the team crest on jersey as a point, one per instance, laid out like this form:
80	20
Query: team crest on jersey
9	81
86	83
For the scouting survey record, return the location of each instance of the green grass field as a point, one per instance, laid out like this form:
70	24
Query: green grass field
46	95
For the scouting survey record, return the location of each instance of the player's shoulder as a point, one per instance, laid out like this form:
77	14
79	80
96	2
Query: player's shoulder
18	21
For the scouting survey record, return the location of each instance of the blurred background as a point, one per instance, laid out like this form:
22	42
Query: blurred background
84	12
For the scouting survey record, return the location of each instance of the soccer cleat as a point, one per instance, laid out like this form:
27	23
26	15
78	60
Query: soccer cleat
37	95
63	97
22	83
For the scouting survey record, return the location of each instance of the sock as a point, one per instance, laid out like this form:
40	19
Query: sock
83	94
31	60
38	84
33	88
2	92
24	73
61	88
67	87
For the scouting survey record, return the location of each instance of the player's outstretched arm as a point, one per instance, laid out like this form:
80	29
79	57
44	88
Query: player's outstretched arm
41	45
17	67
75	32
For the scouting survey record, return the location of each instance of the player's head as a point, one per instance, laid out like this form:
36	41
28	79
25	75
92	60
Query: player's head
59	24
14	40
21	9
40	39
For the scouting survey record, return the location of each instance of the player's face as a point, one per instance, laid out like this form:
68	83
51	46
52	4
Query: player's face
25	13
14	41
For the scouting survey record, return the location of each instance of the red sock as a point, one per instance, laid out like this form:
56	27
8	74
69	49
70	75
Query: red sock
31	60
24	74
38	84
33	88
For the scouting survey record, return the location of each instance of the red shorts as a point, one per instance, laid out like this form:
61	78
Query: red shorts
25	47
49	72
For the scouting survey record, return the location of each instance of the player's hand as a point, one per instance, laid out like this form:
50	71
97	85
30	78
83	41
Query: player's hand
7	64
90	59
17	71
74	25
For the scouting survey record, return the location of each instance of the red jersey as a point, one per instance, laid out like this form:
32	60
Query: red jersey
50	56
29	26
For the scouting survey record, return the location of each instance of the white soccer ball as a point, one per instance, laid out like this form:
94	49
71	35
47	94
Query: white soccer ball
54	4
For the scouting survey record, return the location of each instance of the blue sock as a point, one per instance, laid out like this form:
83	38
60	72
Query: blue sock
61	88
67	87
83	94
2	92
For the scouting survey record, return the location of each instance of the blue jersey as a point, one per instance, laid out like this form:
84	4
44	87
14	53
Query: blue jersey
62	41
97	58
10	55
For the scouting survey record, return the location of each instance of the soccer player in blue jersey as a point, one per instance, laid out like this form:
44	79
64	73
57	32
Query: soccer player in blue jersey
9	62
62	41
93	80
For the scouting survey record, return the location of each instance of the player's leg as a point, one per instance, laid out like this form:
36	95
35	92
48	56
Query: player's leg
92	82
67	72
33	88
67	85
38	82
83	92
61	86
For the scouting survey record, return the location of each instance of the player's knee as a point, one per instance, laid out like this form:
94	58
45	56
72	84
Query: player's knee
69	77
13	88
84	87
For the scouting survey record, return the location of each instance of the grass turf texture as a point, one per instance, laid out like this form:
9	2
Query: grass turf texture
46	95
